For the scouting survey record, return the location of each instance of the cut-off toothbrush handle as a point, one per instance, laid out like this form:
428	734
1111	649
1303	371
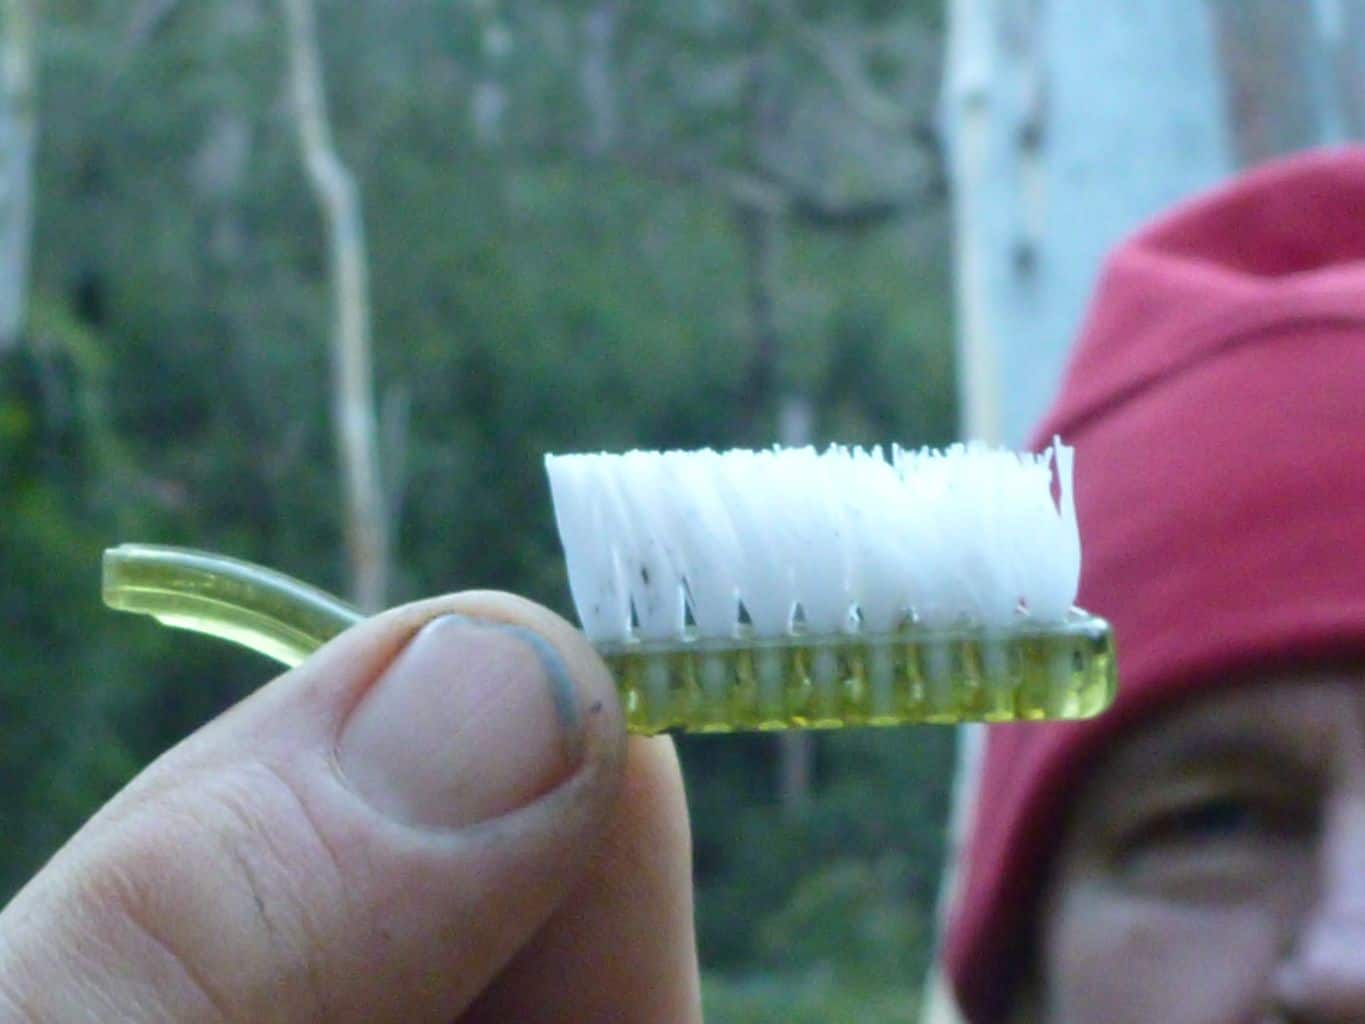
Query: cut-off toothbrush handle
246	604
1028	671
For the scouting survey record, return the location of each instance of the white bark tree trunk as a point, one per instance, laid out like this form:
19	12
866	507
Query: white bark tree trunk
367	533
18	130
1067	123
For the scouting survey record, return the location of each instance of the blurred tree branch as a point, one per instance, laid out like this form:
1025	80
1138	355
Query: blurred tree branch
595	76
843	57
367	533
765	190
18	130
705	140
146	20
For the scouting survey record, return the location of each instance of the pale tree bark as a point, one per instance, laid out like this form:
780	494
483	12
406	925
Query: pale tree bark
367	533
18	130
1348	52
1068	122
219	166
488	106
146	19
844	56
596	78
1293	73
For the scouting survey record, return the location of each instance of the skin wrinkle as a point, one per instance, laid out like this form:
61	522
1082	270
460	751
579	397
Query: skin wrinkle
324	842
196	979
79	947
242	830
11	1002
248	874
115	898
306	947
244	794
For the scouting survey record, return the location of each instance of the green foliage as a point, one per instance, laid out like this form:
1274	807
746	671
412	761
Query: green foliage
807	997
852	919
870	834
531	293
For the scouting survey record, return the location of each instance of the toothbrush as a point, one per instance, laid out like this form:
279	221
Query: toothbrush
775	589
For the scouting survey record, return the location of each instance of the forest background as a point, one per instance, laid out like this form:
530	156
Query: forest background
586	225
480	230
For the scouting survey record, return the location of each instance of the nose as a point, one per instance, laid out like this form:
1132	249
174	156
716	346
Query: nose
1321	979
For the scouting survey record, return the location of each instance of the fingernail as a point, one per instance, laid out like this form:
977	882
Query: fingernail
470	721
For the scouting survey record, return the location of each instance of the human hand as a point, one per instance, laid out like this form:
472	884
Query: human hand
436	817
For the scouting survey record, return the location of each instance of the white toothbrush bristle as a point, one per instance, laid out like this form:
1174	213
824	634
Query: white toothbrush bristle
970	535
583	515
750	487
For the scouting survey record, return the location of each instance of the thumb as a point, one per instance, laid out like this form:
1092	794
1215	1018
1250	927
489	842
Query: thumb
372	836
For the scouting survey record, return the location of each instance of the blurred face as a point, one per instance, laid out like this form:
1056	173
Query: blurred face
1215	870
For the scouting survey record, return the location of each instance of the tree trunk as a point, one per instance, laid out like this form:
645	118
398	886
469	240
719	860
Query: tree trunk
367	535
488	107
796	749
18	129
596	77
764	405
767	404
1067	124
1293	76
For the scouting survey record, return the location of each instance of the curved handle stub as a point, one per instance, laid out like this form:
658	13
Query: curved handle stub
267	611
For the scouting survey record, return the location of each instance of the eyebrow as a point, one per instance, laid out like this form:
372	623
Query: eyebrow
1207	747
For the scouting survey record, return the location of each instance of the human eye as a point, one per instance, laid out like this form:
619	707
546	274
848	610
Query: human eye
1210	819
1208	838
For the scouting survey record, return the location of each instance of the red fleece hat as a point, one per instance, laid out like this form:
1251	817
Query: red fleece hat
1217	404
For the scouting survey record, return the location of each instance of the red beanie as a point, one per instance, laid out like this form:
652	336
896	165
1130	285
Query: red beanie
1217	404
